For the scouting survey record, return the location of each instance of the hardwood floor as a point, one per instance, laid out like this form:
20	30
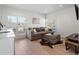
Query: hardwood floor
27	47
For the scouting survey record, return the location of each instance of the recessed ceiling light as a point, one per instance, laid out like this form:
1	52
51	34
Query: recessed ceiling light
45	11
18	4
60	5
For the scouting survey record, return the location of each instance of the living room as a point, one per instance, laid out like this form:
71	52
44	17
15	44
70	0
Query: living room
54	18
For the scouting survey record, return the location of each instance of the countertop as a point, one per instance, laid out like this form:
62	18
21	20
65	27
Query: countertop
6	34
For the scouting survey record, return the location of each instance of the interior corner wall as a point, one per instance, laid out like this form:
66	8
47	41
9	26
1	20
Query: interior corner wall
9	11
0	13
78	26
65	21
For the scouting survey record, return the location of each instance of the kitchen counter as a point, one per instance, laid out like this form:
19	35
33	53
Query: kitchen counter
6	33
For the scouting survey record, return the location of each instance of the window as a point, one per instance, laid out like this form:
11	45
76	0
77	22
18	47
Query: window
16	19
12	19
21	19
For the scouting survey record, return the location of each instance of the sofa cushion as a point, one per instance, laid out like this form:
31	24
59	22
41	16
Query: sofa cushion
40	29
73	37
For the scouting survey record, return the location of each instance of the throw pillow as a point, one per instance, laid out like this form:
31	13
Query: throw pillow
34	30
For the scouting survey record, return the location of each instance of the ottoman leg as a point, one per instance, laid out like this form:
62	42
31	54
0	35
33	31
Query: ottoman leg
50	45
66	46
76	52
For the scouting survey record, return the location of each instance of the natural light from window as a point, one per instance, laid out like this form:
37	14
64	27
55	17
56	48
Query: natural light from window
16	19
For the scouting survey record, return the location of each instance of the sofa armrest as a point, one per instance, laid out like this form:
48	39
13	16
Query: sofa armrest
29	34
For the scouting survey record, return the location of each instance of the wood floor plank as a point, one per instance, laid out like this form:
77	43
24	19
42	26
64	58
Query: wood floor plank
27	47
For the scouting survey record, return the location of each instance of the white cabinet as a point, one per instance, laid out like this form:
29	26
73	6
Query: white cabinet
7	44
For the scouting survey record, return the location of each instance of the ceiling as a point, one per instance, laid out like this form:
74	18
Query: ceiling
40	8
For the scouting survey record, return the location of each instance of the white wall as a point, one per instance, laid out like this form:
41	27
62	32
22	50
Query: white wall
65	21
78	26
0	13
6	11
